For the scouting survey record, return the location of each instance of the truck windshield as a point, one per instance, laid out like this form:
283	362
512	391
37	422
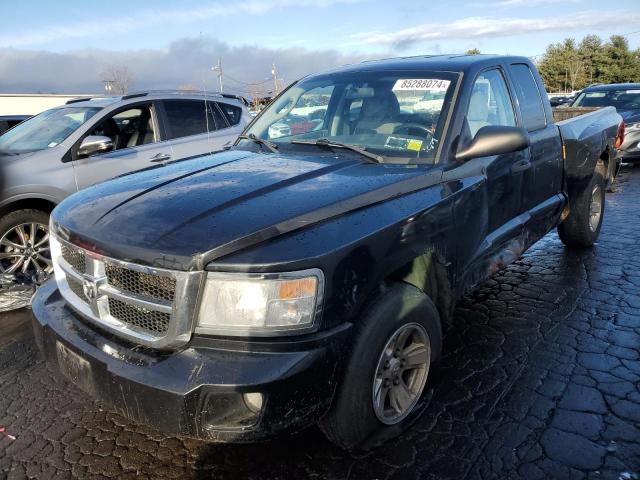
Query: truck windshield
628	99
45	130
396	115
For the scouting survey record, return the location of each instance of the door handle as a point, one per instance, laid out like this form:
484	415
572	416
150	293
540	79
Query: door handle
160	157
521	166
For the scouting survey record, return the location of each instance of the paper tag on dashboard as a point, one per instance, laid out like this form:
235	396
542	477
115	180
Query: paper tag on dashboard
426	84
414	145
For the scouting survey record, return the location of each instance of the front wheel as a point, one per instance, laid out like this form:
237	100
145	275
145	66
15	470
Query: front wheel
582	227
396	343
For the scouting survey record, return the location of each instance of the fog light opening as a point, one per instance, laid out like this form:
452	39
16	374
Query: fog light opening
253	401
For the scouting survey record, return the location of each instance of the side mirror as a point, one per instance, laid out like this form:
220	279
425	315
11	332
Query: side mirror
494	140
94	144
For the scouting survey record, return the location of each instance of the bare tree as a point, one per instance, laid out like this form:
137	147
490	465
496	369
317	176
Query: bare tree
575	68
117	79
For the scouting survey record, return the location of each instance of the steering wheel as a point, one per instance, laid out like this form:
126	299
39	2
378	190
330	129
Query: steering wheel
408	126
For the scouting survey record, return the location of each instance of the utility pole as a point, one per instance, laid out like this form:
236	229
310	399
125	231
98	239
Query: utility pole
274	72
218	68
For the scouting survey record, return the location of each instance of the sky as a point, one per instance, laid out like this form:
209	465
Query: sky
65	46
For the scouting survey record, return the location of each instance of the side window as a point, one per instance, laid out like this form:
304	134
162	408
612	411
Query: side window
231	112
128	128
185	117
528	97
490	103
307	115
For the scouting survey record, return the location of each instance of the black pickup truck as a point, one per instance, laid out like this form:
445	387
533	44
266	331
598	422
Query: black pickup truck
303	275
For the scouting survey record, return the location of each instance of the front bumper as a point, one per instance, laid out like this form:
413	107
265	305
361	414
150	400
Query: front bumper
630	148
198	391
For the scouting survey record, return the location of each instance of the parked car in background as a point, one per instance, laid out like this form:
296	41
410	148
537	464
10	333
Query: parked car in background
7	122
625	97
88	140
559	101
304	277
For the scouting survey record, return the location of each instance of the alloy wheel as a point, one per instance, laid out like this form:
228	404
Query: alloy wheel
595	208
25	249
401	373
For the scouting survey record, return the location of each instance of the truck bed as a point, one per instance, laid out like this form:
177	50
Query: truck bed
565	113
587	133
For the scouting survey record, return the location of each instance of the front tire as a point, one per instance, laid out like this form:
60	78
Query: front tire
582	227
397	340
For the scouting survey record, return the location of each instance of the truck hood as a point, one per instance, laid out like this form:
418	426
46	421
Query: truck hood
185	215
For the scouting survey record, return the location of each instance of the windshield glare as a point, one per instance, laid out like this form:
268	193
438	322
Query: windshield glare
621	99
398	115
45	130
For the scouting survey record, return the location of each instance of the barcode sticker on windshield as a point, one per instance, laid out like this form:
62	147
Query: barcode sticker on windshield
430	84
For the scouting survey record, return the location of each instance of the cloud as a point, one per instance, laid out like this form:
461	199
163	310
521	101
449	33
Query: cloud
522	3
185	62
149	18
491	27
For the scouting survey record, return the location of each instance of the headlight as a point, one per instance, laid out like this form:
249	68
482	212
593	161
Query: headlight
260	304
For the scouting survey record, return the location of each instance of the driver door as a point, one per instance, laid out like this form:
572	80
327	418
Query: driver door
490	219
137	142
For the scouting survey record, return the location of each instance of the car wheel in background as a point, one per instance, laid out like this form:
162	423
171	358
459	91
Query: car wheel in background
24	244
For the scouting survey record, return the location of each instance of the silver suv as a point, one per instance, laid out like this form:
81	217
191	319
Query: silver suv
86	141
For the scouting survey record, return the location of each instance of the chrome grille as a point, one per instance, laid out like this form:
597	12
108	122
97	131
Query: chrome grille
140	283
75	258
150	306
156	323
76	288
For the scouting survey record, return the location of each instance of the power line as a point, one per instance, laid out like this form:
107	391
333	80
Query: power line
247	83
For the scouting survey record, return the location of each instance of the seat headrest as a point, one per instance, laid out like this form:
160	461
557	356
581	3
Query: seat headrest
383	104
110	127
479	106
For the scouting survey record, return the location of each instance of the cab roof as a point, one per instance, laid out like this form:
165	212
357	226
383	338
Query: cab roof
448	63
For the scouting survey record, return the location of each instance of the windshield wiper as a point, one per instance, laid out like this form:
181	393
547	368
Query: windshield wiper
270	145
325	142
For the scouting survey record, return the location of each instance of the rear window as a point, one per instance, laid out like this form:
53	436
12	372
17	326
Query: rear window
529	98
231	112
185	117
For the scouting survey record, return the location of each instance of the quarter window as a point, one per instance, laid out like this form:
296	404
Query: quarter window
231	112
533	117
490	103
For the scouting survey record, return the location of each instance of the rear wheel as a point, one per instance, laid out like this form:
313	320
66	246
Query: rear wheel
385	383
582	227
24	244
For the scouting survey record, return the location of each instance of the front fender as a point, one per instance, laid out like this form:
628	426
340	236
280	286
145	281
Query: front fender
406	239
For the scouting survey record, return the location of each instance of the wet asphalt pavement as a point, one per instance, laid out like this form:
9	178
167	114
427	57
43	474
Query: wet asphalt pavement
540	379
